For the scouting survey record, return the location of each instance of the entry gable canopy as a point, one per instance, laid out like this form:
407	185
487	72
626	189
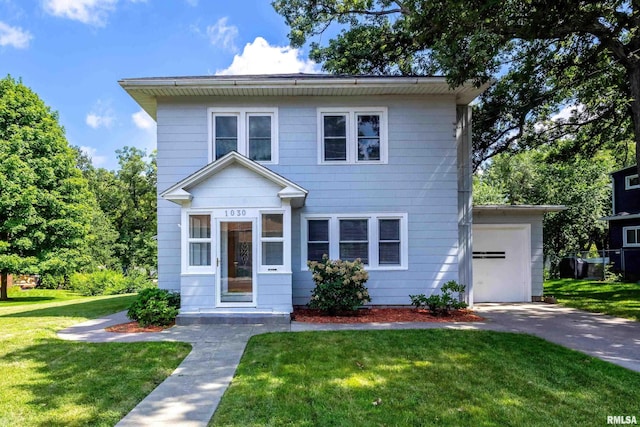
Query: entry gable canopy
179	193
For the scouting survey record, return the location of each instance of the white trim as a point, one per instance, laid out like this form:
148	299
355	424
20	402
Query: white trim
373	234
285	268
243	115
291	191
635	228
351	114
627	182
526	247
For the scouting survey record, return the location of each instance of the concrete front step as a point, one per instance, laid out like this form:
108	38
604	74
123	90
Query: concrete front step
233	319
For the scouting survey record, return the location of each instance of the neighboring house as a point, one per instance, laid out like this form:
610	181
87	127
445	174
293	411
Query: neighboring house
258	174
624	223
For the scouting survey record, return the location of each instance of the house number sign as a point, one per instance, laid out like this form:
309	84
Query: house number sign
235	212
230	213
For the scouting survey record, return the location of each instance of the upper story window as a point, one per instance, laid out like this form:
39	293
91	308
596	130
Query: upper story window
631	236
631	182
352	135
250	132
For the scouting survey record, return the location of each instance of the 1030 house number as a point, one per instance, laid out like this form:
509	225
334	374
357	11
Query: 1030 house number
235	212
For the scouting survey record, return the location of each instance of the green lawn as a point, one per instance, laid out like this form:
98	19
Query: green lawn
422	377
616	299
45	381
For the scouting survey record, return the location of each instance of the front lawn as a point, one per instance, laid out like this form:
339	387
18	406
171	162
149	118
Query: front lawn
422	377
615	299
48	381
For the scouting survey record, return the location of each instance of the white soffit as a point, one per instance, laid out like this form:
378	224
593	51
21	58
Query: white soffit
145	91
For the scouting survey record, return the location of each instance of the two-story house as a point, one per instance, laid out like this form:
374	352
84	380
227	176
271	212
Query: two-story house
258	174
624	223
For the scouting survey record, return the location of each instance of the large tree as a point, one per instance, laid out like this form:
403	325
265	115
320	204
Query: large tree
544	55
44	214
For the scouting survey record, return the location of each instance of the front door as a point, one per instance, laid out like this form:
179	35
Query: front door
236	283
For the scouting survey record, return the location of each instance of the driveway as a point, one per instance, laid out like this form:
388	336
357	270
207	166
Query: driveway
609	338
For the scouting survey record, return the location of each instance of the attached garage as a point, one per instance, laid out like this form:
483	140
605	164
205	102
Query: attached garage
508	253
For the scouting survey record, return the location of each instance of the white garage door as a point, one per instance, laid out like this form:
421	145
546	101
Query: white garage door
501	263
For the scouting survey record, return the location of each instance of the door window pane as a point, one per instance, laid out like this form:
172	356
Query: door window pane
226	135
260	138
236	262
354	240
369	137
335	138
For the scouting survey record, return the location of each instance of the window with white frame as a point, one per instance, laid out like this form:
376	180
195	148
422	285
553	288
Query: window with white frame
272	240
631	236
250	132
199	240
357	135
379	240
631	182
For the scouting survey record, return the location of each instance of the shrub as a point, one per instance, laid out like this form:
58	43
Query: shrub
52	281
339	285
154	306
108	282
443	303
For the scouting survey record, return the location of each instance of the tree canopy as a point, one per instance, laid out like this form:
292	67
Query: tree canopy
45	203
546	56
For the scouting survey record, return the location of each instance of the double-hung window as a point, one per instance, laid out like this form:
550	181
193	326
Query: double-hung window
356	135
631	236
199	242
272	240
379	240
250	132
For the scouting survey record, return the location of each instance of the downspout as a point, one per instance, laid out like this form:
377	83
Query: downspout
465	201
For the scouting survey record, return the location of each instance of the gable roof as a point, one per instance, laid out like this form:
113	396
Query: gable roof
179	192
146	90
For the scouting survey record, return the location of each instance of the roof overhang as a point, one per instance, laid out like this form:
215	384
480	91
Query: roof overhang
291	192
620	217
145	91
518	209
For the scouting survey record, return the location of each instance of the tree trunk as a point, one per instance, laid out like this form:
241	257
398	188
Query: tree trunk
4	284
634	87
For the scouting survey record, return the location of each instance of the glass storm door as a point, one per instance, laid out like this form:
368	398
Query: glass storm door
236	283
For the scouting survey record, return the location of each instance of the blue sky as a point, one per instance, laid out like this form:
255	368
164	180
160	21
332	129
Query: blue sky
73	52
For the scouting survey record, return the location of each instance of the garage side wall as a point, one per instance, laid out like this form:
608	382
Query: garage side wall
537	256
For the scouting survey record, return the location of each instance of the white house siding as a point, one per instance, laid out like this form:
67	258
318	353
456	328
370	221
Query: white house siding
420	179
537	255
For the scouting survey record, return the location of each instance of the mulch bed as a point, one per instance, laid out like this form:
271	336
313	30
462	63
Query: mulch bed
383	315
132	327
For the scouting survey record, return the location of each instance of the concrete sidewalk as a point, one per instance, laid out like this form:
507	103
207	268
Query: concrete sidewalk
190	396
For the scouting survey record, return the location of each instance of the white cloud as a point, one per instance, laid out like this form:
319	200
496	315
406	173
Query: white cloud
92	12
143	121
101	115
14	36
261	58
223	35
91	153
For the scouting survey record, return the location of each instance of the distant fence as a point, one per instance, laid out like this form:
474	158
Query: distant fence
595	265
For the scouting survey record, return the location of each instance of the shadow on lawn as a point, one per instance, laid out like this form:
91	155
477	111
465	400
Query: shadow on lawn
25	300
80	308
90	384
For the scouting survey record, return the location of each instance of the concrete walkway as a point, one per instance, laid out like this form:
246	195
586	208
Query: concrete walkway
191	394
